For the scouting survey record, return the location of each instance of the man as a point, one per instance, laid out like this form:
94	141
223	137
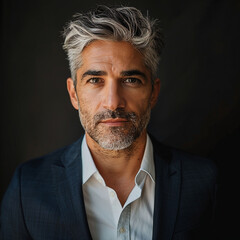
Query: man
115	182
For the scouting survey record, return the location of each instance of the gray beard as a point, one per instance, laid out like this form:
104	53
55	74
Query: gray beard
115	138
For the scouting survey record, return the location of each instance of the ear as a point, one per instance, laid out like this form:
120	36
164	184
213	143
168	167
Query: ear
72	93
155	92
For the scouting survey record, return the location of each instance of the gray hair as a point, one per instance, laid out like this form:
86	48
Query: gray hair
117	24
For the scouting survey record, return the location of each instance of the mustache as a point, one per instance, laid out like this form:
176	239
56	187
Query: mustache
118	113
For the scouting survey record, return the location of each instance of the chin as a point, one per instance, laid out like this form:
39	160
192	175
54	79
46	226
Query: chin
115	145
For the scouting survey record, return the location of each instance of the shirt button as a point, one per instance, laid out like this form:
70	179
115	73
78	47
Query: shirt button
122	230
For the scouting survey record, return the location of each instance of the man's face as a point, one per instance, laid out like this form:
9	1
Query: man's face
114	93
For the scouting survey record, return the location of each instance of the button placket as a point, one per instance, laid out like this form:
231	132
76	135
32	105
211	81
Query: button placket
123	230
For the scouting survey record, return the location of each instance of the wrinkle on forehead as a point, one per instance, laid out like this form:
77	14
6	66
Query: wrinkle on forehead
114	56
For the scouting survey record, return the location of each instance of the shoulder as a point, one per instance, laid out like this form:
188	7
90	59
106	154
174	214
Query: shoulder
31	192
40	168
197	172
36	175
190	164
194	163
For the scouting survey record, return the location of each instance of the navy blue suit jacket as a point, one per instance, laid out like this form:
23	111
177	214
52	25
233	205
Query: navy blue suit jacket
44	200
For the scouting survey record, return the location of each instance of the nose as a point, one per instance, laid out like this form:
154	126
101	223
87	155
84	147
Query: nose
113	96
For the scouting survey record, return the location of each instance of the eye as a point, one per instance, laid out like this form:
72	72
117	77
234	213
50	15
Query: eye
95	80
132	81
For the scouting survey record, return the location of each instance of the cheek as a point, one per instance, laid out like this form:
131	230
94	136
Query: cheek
88	102
139	102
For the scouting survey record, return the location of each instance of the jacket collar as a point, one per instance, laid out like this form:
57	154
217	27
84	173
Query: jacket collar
167	191
67	183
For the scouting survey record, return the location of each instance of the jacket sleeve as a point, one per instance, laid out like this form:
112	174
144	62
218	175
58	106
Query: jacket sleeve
12	224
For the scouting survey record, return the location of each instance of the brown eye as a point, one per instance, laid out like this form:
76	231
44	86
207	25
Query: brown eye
95	80
132	81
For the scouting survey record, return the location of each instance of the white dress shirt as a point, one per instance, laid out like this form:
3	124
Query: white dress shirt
106	217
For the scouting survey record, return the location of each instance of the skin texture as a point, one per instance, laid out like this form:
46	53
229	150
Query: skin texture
114	96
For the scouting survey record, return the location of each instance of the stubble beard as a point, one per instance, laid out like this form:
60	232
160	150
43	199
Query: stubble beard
116	137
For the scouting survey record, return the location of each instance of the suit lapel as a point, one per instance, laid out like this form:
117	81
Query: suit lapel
167	191
67	183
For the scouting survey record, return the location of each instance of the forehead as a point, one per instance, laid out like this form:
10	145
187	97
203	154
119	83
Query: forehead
118	56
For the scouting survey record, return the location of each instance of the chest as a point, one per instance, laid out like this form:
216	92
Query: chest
109	219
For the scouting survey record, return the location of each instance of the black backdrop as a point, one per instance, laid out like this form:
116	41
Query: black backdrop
198	108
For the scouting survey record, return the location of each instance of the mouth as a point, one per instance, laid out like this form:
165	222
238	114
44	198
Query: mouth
114	122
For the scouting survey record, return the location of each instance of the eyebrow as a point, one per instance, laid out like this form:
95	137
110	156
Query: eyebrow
133	72
93	73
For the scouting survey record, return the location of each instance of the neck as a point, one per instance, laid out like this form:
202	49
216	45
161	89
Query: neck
118	161
119	167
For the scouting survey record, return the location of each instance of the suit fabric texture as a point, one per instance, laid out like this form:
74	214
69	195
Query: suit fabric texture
44	200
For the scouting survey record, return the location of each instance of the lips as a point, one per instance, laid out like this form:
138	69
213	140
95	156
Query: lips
114	121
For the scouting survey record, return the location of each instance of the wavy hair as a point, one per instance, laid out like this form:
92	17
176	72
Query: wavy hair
117	24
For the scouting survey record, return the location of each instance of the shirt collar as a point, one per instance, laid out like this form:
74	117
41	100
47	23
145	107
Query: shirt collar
89	167
147	165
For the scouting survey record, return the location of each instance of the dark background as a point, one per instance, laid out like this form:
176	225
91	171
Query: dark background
199	104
